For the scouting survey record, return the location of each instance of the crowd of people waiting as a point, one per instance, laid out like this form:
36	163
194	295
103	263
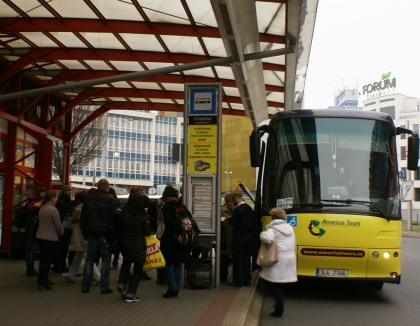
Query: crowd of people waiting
94	226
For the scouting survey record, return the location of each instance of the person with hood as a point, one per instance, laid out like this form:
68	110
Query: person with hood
31	244
284	270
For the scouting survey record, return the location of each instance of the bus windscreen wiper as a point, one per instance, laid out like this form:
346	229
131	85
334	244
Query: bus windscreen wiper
365	202
317	205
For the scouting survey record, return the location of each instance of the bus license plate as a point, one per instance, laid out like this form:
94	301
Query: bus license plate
331	272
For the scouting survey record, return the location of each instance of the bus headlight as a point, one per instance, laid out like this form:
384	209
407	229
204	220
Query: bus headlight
394	275
396	254
386	255
375	254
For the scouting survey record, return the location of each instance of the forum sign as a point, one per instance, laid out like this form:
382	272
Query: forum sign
385	86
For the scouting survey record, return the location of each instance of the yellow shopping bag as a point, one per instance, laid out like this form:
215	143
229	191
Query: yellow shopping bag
154	258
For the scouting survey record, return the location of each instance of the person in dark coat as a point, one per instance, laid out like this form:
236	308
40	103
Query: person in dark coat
132	226
242	221
173	252
64	207
96	223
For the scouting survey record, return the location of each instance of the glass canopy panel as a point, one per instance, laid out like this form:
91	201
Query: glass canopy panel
275	97
118	10
18	44
215	46
224	72
127	65
183	44
69	39
205	72
72	64
143	85
160	100
271	18
167	11
173	87
272	46
137	99
73	9
230	91
157	65
103	41
33	8
40	39
142	42
202	12
11	58
278	60
274	78
97	65
237	106
6	11
121	84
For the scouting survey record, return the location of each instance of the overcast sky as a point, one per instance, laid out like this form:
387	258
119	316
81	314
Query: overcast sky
356	41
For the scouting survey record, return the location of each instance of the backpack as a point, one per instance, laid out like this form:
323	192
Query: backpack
187	236
32	223
20	215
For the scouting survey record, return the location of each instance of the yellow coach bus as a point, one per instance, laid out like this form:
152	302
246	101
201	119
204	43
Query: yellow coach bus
335	173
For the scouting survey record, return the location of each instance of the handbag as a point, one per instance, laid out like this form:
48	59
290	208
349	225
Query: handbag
267	254
154	257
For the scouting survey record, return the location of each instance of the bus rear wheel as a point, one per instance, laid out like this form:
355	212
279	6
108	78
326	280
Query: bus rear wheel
375	285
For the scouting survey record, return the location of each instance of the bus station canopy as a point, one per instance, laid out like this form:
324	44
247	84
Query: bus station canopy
138	54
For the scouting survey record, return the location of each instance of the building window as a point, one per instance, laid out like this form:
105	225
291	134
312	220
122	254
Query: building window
403	135
387	100
416	128
389	110
403	153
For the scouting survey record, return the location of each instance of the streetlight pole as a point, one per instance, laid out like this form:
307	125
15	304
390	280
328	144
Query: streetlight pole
116	155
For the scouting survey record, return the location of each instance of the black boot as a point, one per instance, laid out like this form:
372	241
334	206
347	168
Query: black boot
30	270
43	285
170	294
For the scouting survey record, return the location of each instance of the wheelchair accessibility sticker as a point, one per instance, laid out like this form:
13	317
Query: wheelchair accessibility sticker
292	220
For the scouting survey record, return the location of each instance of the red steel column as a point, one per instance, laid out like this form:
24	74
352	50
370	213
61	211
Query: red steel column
9	185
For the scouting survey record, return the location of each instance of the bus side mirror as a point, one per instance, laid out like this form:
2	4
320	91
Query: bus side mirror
413	152
255	148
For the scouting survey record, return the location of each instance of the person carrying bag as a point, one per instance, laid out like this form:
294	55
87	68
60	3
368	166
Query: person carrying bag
280	235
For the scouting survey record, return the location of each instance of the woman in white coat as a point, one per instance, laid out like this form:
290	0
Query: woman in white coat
284	270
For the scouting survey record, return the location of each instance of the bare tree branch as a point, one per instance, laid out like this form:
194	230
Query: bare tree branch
85	145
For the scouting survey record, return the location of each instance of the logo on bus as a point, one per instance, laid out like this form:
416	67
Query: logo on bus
315	230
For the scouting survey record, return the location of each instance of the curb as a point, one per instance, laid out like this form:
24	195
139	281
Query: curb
246	308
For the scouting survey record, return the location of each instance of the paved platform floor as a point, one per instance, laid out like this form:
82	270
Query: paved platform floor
21	303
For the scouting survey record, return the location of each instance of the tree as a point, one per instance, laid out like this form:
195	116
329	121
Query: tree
85	145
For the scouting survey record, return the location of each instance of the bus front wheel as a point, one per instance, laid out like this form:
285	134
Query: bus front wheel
375	285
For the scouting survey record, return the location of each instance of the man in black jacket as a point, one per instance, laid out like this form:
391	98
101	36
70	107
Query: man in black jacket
63	206
242	221
96	223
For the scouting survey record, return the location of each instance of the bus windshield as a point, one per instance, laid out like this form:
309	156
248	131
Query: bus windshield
332	164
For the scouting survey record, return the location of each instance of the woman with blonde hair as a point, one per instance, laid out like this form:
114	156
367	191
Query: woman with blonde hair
284	270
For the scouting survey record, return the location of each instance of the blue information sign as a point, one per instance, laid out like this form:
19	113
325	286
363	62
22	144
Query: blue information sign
203	101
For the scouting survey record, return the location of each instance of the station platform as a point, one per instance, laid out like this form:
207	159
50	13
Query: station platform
23	304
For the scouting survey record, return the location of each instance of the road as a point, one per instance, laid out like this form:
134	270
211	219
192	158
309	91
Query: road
342	303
